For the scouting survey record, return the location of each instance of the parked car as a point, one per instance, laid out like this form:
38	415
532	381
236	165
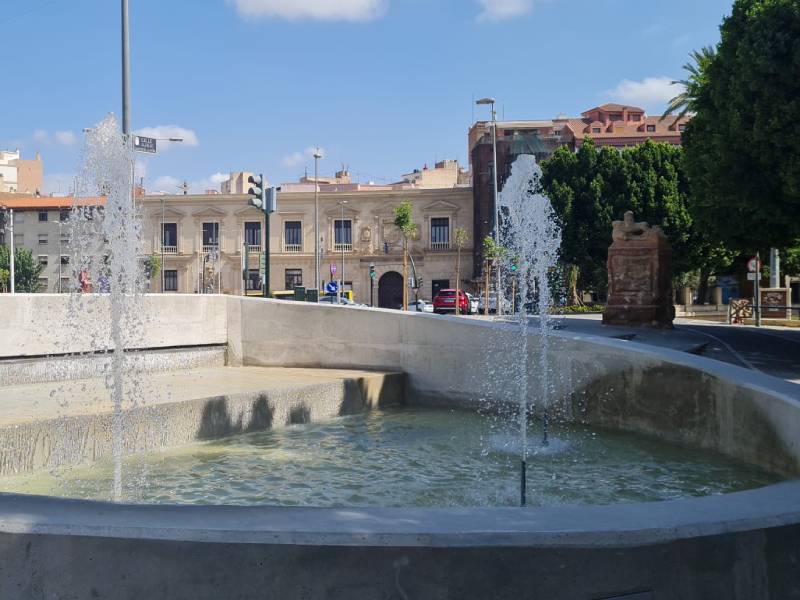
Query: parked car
445	301
420	306
333	300
493	303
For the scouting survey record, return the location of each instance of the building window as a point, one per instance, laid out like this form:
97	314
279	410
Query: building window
595	130
253	280
43	283
43	260
169	237
252	236
19	217
210	236
437	285
682	127
18	239
293	236
343	235
170	280
63	214
43	239
440	233
43	216
651	129
294	277
64	259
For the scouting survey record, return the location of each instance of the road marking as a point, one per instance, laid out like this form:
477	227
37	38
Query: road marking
729	348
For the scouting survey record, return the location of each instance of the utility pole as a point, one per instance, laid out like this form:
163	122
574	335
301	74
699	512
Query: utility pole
11	277
126	71
317	156
163	278
340	287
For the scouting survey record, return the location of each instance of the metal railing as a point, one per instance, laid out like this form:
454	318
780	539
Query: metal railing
254	248
169	249
440	246
209	248
293	248
343	247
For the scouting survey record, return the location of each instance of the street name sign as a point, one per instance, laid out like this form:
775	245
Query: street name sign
144	144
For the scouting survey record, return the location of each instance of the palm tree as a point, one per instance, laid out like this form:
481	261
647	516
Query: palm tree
686	101
459	239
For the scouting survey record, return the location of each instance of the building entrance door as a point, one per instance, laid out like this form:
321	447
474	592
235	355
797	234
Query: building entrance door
390	290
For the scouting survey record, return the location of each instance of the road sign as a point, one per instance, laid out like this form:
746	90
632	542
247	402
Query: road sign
262	267
752	276
333	269
144	144
753	265
331	287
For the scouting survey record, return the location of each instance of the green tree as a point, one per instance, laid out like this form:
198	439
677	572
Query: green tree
743	145
152	266
492	253
26	269
404	221
593	187
686	101
460	238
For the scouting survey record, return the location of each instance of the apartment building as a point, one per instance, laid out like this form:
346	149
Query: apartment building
212	243
18	175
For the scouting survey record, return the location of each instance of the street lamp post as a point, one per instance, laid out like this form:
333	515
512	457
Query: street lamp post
496	216
317	156
340	287
126	71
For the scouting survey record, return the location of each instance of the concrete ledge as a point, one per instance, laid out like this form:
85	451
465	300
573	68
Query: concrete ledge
736	546
177	410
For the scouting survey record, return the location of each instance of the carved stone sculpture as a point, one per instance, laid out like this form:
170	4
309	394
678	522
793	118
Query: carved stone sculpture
639	276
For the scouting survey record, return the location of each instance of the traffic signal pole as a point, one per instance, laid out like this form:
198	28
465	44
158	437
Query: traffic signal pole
266	252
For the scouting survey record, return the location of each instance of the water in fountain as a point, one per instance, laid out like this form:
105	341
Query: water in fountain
532	240
108	273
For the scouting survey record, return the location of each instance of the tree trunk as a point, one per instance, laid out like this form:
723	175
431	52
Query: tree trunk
405	274
458	277
702	288
488	272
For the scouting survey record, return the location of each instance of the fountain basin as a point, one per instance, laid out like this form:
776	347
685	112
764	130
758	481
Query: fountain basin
740	545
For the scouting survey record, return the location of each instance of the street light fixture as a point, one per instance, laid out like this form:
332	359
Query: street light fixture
317	156
340	288
496	216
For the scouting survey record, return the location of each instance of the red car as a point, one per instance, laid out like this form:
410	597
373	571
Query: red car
445	301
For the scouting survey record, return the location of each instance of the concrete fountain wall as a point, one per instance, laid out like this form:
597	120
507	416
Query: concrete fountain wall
736	546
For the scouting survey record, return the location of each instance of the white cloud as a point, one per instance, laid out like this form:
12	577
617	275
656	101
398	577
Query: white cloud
66	138
326	10
298	158
164	132
497	10
40	135
218	178
166	184
650	92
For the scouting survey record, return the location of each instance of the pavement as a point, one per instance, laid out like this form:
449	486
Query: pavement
770	350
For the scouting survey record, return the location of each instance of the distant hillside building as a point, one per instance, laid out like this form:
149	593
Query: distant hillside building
445	174
615	125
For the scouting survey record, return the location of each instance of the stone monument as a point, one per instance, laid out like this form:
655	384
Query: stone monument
639	276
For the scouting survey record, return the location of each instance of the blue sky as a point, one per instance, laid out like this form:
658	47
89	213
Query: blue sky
383	86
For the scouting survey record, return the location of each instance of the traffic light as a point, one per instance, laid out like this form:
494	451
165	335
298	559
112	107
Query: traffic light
372	270
258	192
514	264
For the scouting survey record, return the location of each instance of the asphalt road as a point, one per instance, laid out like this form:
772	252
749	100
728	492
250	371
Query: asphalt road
774	351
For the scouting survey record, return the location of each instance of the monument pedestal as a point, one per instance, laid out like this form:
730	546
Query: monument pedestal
639	276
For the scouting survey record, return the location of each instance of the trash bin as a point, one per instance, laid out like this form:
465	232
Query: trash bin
299	293
312	295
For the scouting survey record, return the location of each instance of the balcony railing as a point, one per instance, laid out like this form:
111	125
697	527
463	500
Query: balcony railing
293	248
343	247
254	248
209	248
440	246
169	249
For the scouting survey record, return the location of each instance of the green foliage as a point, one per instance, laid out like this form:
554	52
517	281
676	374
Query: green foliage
403	220
491	250
593	187
460	237
26	269
152	266
790	261
685	102
743	145
575	309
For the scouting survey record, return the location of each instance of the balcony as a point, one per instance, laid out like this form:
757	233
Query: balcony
343	247
209	248
254	248
440	246
169	249
293	248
